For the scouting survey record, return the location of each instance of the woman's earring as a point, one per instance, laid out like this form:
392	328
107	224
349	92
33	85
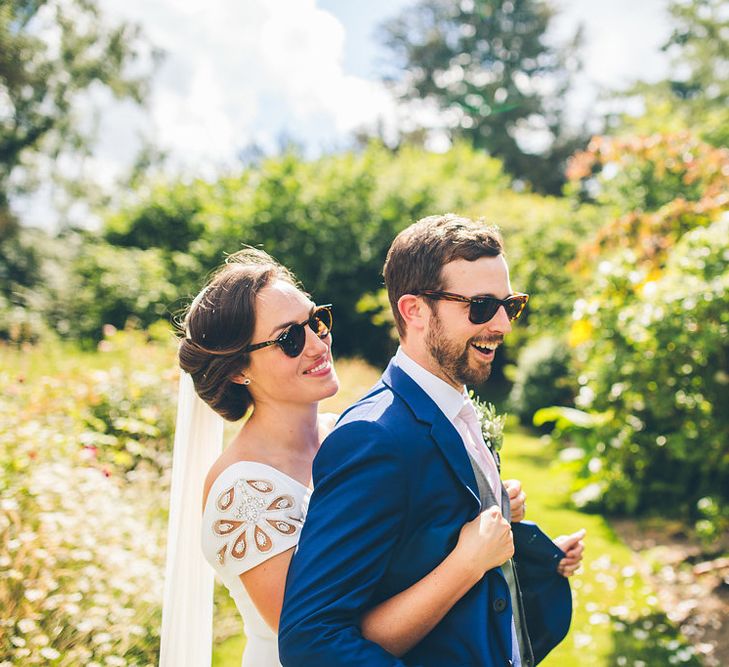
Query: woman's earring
246	382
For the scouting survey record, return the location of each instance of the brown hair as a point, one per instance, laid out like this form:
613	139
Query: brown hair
418	254
218	326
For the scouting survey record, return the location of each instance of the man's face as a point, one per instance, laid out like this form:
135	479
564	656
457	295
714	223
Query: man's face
458	347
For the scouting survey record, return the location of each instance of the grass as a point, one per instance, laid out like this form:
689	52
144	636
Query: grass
616	619
229	652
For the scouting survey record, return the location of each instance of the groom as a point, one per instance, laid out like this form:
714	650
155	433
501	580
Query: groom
406	468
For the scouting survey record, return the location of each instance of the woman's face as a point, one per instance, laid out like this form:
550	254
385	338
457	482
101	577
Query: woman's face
276	377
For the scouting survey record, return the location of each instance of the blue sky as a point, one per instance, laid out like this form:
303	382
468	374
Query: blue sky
360	20
239	72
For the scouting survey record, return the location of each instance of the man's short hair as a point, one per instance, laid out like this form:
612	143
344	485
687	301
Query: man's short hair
418	254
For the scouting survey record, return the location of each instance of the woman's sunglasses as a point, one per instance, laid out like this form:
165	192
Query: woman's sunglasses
293	338
483	308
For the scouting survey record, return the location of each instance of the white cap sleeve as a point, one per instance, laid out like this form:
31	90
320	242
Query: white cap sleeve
253	512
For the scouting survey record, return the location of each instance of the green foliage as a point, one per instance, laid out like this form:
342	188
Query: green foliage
129	417
74	284
566	419
168	221
109	285
541	377
656	362
330	220
32	265
486	64
648	330
51	53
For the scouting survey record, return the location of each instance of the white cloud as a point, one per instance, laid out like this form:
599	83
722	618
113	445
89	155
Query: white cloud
236	73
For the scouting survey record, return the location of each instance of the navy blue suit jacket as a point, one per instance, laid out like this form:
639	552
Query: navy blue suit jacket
393	486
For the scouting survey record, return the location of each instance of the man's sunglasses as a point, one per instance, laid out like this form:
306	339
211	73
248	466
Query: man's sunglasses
293	338
483	308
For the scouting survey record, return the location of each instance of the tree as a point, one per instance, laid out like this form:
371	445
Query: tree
53	52
486	65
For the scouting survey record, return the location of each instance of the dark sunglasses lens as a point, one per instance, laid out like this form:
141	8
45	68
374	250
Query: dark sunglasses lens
321	322
514	305
483	311
292	340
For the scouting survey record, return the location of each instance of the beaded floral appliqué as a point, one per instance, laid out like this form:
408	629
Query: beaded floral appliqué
251	508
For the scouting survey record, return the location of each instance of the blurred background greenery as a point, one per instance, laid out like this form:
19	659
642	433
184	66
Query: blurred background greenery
621	237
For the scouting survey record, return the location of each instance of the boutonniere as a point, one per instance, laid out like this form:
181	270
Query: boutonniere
492	425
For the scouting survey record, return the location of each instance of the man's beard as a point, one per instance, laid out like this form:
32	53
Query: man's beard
452	358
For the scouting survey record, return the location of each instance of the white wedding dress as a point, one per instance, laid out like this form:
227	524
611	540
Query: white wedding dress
253	512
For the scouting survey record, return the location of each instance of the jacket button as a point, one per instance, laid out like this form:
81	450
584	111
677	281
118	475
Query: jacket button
499	605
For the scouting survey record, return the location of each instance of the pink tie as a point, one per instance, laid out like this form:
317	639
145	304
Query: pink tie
477	446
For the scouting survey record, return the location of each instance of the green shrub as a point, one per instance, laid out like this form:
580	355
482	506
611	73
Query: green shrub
108	285
330	220
32	265
541	378
656	363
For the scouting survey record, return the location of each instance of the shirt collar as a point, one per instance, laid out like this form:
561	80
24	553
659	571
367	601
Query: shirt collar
446	397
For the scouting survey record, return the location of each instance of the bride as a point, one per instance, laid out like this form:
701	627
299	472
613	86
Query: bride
256	345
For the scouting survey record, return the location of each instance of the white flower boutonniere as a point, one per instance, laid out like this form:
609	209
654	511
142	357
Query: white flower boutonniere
492	425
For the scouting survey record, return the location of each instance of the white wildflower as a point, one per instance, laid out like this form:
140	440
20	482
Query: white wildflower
50	653
85	626
9	504
26	625
33	594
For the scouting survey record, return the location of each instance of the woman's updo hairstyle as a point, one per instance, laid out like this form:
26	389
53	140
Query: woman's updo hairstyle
219	325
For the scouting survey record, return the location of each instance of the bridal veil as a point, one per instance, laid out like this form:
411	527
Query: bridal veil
187	612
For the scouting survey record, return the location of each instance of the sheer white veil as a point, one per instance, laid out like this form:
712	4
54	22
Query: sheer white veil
187	612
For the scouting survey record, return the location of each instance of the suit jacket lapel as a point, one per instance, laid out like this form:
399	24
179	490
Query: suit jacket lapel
443	432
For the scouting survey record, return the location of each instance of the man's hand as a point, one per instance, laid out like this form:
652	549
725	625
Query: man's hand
485	542
517	499
573	547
